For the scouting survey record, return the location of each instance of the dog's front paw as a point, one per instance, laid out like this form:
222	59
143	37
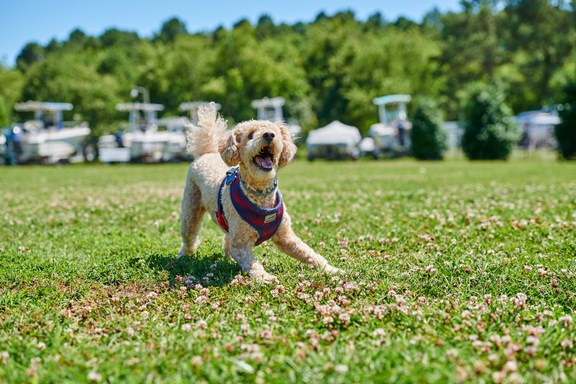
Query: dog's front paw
186	250
263	277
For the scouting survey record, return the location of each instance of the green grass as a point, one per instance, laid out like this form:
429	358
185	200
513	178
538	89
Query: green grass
456	272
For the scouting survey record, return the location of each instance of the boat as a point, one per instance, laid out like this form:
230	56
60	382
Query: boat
271	109
537	129
47	138
145	138
392	134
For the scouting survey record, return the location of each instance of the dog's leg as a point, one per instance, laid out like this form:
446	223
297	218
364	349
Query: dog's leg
226	247
190	219
289	243
244	257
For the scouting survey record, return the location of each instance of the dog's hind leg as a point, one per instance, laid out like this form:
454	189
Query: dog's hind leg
226	246
190	219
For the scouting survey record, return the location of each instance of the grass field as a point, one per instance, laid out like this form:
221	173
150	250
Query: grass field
456	272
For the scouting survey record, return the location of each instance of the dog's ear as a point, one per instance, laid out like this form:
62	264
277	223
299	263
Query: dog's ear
228	148
289	149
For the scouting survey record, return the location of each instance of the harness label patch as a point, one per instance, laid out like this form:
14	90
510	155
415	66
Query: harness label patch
270	218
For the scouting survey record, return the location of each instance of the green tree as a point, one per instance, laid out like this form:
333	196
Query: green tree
77	37
12	82
327	61
429	140
74	79
30	54
540	36
115	37
171	29
566	131
265	27
189	59
471	50
490	132
386	62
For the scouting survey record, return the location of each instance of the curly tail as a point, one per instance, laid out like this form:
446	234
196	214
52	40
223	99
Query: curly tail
204	137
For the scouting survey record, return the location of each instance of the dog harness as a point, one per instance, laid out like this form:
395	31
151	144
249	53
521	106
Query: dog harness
264	221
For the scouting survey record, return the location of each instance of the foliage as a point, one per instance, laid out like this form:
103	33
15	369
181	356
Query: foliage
471	50
490	132
30	54
66	77
566	131
385	62
429	140
12	81
456	272
171	29
541	36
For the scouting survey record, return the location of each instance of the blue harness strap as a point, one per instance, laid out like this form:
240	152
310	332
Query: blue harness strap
264	221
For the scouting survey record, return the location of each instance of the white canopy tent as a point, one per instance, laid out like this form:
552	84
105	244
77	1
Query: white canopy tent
335	133
335	140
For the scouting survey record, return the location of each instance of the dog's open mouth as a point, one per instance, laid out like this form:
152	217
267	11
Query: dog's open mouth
264	159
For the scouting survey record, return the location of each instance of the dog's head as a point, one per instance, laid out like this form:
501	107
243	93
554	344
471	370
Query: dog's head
260	147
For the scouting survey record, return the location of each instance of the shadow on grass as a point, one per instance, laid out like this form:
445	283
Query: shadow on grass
209	270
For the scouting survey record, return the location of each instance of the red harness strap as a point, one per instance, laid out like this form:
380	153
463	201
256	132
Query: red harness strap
264	221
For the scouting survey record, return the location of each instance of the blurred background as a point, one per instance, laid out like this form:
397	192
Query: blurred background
121	67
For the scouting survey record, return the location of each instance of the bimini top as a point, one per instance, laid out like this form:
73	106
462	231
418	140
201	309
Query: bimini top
269	108
538	118
389	99
42	106
147	107
334	133
194	105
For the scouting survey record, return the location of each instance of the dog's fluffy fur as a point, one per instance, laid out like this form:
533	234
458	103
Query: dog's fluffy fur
260	149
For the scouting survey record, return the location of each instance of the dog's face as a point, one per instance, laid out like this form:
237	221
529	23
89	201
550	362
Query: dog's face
260	147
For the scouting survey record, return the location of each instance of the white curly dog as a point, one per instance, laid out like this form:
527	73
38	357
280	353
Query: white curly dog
234	178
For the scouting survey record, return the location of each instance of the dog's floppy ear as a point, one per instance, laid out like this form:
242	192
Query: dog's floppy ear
289	149
228	147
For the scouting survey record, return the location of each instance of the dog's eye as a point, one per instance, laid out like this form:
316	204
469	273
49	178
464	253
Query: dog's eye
251	135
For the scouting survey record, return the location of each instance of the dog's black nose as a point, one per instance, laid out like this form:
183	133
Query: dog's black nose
268	136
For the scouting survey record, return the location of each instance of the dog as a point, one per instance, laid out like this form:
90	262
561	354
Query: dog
233	178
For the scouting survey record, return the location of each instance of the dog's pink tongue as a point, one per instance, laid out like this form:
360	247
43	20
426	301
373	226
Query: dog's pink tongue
264	162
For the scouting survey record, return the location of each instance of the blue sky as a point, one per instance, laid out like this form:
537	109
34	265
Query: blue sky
24	21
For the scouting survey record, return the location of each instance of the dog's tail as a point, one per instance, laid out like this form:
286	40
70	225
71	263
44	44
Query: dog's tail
204	137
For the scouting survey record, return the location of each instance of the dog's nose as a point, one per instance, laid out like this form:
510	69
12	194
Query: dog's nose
268	136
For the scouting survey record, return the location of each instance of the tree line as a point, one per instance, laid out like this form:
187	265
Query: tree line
330	68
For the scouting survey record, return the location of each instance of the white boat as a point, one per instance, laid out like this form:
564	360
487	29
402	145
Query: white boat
392	134
537	128
48	138
145	138
271	109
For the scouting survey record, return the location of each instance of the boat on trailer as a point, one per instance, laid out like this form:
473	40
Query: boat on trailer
392	134
145	138
47	138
